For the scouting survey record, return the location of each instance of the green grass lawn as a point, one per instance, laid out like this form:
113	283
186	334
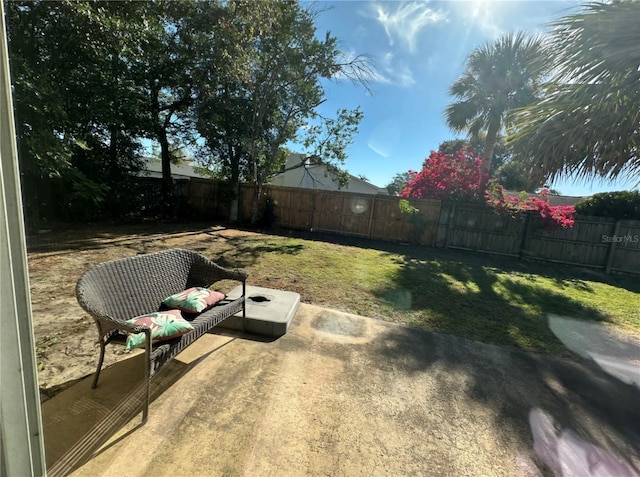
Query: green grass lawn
489	299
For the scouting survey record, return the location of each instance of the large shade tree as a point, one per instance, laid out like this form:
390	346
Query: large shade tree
249	118
588	121
93	79
498	78
178	58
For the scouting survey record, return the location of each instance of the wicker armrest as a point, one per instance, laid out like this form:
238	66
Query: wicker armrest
205	271
109	325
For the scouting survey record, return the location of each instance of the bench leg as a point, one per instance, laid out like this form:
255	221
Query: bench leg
145	409
147	376
244	307
100	361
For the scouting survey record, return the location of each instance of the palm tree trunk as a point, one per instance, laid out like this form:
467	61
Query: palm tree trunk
489	146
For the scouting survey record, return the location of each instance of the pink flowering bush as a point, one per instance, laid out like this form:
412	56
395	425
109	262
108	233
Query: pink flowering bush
459	176
554	217
447	176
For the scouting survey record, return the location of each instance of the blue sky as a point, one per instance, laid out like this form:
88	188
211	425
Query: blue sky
418	49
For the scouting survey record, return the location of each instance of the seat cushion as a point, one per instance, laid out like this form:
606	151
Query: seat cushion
193	300
164	325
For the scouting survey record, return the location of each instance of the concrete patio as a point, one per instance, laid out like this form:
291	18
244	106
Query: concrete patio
346	395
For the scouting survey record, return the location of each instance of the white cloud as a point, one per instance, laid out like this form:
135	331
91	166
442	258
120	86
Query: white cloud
484	16
405	22
384	139
397	72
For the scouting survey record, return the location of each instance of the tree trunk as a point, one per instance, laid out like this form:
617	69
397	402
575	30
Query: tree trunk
235	202
167	181
234	158
257	186
257	190
112	206
489	145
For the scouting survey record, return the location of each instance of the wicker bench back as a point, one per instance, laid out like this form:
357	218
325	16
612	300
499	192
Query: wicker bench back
133	286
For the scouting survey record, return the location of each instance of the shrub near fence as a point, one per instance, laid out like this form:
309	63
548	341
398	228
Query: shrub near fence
594	242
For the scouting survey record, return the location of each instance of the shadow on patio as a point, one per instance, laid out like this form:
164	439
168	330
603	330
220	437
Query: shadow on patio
345	394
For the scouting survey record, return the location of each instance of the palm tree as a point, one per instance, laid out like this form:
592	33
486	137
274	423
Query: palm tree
498	78
588	121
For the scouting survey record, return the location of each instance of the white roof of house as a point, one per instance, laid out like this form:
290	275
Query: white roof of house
178	171
314	175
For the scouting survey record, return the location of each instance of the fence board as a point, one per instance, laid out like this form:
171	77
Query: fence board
580	245
294	207
627	250
478	228
342	212
387	221
206	198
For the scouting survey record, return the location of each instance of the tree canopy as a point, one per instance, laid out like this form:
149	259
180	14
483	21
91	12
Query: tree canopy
76	112
505	168
94	81
457	176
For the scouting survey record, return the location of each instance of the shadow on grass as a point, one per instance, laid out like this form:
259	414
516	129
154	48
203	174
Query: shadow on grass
563	275
483	304
68	238
242	252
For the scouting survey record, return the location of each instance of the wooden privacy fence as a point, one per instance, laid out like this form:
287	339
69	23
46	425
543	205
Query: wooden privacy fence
594	242
361	215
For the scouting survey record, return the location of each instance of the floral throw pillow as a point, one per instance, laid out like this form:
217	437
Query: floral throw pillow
164	325
193	300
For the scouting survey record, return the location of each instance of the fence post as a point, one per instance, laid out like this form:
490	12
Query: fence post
523	238
437	228
612	248
313	209
452	213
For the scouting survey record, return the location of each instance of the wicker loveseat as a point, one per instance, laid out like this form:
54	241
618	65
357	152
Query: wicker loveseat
117	291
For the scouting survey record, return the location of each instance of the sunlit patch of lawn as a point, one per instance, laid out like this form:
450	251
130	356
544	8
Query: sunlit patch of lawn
477	298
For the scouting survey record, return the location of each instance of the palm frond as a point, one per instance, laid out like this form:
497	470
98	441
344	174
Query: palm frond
588	121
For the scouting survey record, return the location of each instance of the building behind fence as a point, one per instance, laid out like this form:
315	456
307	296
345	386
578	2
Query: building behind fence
595	242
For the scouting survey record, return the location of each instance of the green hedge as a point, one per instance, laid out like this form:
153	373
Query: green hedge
623	205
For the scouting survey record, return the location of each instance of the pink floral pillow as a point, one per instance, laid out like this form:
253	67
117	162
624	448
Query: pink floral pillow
164	325
193	300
